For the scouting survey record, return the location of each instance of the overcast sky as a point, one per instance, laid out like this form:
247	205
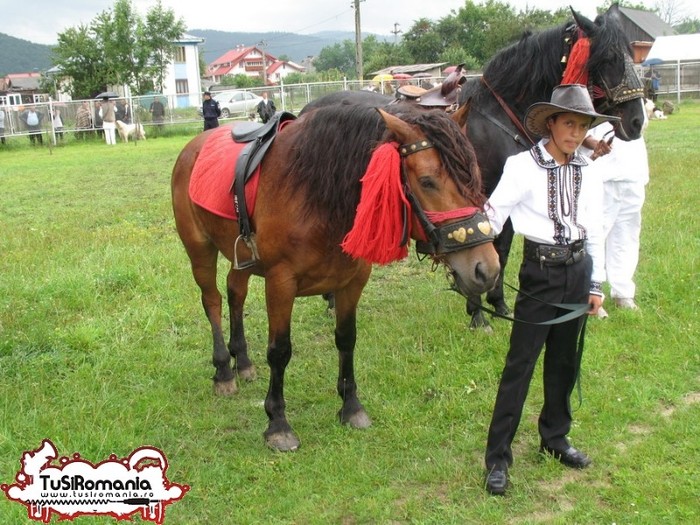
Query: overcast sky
40	21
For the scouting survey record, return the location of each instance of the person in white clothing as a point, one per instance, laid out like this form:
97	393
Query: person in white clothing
624	167
554	199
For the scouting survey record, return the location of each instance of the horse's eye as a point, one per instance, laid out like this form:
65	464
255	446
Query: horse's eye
427	183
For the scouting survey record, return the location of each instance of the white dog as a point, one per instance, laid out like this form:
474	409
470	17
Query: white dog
135	131
653	112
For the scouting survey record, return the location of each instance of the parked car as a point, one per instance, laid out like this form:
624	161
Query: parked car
236	103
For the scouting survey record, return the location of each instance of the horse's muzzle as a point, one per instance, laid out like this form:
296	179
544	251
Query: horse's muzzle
466	233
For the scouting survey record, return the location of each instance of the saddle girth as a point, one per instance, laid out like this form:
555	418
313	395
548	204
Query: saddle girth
259	138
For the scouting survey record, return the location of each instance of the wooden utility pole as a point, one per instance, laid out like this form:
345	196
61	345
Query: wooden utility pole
262	45
396	32
358	41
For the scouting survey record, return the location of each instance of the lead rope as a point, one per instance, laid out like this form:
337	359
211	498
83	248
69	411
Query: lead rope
574	311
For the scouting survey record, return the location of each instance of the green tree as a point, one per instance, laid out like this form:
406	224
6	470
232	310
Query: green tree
157	43
339	56
422	42
119	48
81	60
688	26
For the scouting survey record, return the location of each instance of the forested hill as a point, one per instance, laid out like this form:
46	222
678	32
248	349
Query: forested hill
22	56
295	47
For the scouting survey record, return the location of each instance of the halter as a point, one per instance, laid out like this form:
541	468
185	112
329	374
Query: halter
629	88
472	230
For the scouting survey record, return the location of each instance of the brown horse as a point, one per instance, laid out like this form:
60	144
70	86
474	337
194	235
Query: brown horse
310	201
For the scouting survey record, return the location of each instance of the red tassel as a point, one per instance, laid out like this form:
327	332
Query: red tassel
376	232
576	71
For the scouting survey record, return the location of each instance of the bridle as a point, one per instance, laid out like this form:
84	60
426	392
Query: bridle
604	97
471	230
629	88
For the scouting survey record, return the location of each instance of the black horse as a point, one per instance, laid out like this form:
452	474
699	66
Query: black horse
518	76
525	73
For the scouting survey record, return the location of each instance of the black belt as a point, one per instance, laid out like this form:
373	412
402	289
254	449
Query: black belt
554	254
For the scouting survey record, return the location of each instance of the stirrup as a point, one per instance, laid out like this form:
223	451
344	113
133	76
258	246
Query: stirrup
250	242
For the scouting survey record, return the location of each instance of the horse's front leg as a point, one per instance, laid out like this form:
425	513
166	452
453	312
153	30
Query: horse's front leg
237	291
280	300
352	412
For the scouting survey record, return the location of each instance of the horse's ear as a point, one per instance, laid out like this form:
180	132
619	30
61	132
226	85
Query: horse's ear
398	127
460	116
584	23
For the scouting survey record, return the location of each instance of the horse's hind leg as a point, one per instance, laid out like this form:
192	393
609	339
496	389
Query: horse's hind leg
237	291
279	300
352	412
203	258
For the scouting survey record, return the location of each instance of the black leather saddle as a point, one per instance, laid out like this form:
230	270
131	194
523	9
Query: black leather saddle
259	138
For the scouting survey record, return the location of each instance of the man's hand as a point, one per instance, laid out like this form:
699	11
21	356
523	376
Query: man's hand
596	301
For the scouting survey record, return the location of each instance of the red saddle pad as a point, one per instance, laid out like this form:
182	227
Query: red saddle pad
212	176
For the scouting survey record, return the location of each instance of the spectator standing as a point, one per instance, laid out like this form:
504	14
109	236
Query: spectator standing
57	123
109	119
210	111
157	111
553	197
32	119
2	126
624	167
119	110
266	108
83	121
654	83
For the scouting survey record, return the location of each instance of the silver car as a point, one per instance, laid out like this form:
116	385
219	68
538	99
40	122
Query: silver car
236	103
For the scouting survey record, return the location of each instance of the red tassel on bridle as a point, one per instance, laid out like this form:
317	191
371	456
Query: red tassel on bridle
376	233
576	71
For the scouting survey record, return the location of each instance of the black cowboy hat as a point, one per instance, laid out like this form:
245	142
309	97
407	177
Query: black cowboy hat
566	98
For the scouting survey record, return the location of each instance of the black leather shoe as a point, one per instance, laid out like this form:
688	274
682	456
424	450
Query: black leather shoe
571	457
497	480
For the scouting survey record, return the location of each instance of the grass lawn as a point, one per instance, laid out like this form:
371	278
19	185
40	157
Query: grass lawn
104	348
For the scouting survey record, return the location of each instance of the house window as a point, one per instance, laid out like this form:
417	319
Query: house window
180	54
182	86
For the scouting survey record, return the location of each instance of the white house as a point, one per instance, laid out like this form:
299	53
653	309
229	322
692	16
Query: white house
182	77
250	61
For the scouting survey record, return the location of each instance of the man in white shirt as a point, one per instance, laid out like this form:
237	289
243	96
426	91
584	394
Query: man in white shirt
553	198
624	168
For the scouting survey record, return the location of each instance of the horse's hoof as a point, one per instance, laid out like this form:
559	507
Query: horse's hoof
248	374
501	308
282	441
225	388
479	322
359	419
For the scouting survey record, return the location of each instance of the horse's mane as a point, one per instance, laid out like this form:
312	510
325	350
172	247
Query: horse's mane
334	147
527	70
610	43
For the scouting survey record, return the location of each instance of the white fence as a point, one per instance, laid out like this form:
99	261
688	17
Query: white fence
184	109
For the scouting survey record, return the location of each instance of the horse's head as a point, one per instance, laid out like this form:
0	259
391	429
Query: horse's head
443	186
615	86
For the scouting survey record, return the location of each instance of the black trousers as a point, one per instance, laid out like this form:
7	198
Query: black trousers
553	284
211	123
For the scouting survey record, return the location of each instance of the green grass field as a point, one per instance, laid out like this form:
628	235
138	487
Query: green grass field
104	348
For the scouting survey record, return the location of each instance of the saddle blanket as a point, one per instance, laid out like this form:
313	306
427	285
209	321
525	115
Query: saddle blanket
211	182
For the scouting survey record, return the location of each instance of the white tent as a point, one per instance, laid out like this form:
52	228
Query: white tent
676	48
